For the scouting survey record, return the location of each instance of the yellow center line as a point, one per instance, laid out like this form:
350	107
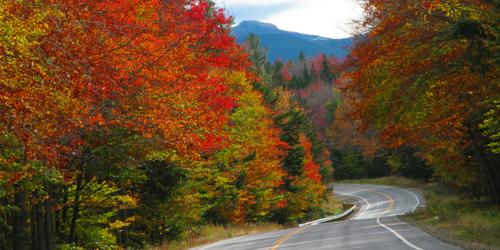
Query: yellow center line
389	198
287	236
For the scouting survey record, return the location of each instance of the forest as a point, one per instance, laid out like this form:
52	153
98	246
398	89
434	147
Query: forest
425	82
128	123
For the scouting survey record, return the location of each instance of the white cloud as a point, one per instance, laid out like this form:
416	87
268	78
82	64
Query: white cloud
320	17
250	2
329	18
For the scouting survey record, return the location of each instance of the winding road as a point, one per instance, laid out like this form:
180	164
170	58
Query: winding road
373	226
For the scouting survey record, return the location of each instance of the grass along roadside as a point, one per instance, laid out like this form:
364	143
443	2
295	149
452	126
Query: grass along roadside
212	233
469	223
332	206
390	181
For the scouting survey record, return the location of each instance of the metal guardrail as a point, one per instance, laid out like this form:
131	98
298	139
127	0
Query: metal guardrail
329	218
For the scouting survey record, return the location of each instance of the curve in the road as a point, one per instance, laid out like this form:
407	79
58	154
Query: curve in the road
388	210
374	226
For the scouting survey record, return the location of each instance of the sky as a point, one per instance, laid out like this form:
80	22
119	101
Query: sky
328	18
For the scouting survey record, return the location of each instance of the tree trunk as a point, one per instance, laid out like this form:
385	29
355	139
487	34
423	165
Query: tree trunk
76	209
487	163
41	244
62	215
19	222
123	234
5	234
493	174
34	230
49	204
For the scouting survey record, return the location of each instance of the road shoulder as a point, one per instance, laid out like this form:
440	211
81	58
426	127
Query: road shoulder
445	235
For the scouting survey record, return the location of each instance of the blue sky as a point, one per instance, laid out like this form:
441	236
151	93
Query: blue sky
328	18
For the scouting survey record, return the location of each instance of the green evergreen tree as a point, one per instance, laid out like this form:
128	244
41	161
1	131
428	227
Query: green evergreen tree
326	73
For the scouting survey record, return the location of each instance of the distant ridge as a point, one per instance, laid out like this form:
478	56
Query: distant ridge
286	45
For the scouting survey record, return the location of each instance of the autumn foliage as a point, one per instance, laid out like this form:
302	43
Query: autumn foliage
129	122
425	75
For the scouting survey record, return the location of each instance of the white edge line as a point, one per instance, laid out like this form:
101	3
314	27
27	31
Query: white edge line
361	198
394	231
384	226
398	235
416	197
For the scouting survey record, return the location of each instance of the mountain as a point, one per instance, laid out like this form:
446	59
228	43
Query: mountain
286	45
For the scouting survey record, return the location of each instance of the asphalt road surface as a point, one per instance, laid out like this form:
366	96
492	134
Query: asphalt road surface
373	226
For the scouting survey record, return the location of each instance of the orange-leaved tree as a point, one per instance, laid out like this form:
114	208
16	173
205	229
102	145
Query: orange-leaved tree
424	74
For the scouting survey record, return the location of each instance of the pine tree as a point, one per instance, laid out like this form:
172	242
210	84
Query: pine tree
326	70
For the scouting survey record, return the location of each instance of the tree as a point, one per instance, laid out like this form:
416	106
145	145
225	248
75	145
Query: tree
301	191
424	75
99	99
250	167
326	73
